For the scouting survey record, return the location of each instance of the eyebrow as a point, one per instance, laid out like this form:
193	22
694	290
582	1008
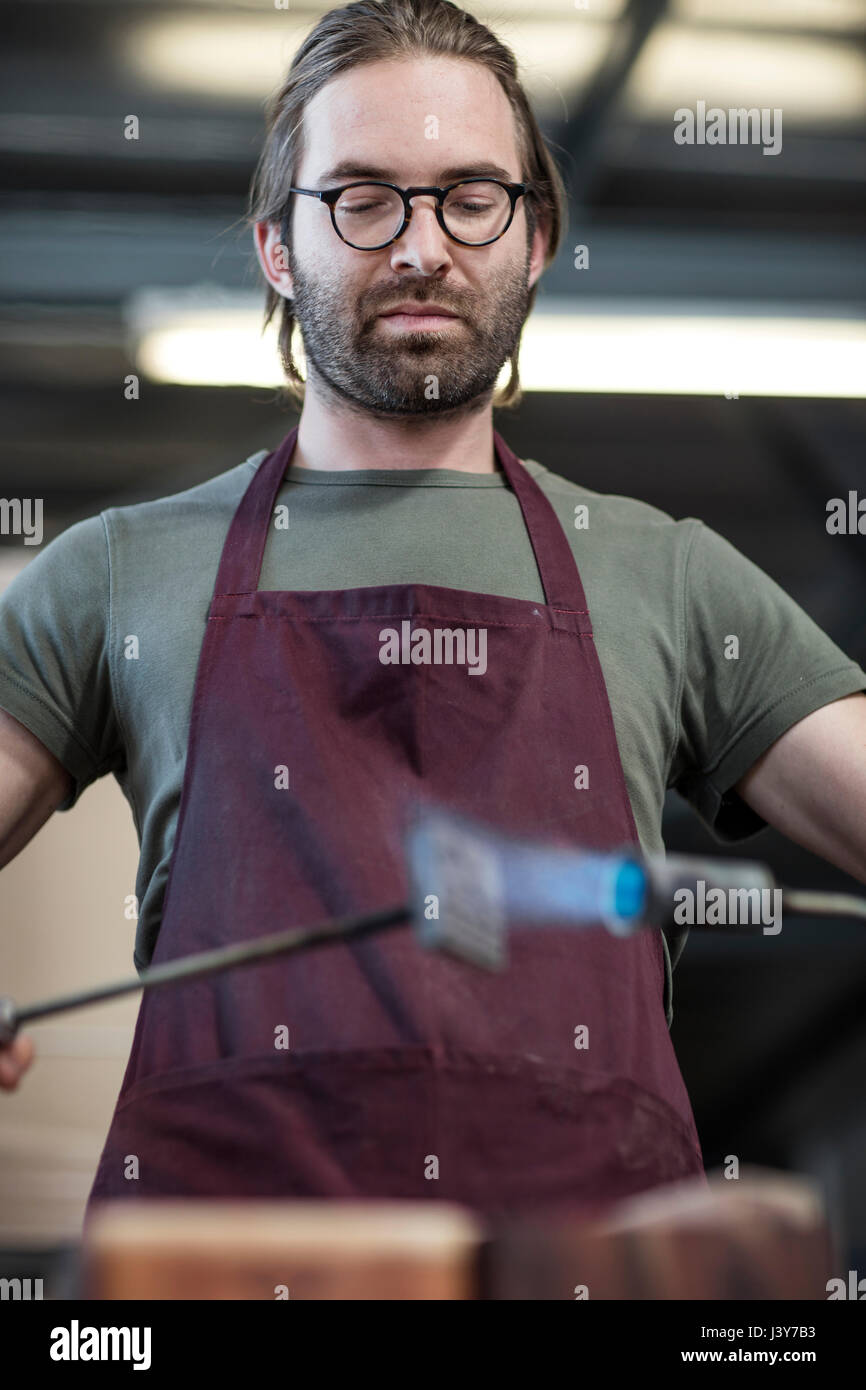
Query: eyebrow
351	169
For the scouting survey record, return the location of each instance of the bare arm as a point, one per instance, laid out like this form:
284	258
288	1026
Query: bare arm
32	785
811	784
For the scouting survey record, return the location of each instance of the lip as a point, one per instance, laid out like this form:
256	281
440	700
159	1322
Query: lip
420	311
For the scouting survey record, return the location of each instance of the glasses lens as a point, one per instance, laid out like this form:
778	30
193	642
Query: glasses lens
477	211
368	215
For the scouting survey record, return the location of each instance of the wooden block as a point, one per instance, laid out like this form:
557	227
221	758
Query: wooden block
763	1236
340	1249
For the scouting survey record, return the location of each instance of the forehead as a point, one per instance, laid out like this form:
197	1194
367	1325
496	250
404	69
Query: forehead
412	116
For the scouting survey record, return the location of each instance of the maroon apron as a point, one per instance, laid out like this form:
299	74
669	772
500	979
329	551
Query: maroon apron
407	1074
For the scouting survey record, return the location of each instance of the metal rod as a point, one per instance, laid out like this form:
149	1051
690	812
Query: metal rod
823	904
200	964
221	958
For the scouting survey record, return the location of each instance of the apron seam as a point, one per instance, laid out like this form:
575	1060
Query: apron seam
443	1057
376	617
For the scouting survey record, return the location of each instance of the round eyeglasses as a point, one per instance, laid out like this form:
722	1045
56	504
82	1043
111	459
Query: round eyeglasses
369	216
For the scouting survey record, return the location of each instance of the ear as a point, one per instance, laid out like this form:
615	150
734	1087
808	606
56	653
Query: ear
538	252
273	257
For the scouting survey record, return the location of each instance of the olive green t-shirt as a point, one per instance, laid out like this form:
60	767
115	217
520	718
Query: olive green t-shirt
665	597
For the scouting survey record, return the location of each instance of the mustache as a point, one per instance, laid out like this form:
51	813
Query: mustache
379	301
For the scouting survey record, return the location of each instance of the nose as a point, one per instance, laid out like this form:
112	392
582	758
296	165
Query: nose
423	245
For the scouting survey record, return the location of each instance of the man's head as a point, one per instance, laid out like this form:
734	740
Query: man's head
413	92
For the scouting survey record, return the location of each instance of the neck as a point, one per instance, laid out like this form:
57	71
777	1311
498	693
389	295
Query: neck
331	438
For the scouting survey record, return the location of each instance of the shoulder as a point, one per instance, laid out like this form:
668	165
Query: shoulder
74	560
617	517
211	502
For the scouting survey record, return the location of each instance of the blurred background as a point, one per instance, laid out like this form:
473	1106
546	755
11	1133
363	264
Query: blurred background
700	344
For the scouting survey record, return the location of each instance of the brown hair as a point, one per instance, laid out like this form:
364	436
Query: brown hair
369	31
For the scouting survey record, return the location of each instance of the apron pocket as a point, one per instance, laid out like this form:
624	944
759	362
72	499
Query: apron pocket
497	1133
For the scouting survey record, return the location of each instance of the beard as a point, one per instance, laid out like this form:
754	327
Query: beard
406	373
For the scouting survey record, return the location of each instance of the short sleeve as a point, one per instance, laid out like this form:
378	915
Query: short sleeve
754	664
54	654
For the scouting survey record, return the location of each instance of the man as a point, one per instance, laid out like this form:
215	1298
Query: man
248	639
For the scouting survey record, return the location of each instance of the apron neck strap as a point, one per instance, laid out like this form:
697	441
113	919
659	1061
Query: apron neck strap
560	577
244	550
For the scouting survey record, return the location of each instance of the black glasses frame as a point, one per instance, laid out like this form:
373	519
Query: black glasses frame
330	196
